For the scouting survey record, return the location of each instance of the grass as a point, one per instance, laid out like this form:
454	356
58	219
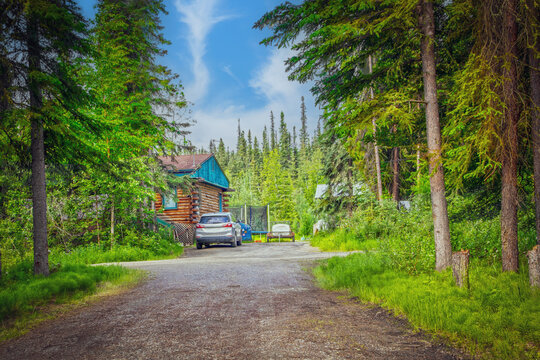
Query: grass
341	240
95	254
499	317
25	303
26	300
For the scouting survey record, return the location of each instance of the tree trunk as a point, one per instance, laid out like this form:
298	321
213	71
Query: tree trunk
350	185
395	169
112	222
376	147
5	84
509	200
96	204
39	191
534	65
460	268
418	157
418	165
534	266
443	248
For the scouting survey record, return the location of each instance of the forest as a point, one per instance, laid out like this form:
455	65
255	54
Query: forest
429	148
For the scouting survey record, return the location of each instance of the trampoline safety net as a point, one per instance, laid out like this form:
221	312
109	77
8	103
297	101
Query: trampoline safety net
254	216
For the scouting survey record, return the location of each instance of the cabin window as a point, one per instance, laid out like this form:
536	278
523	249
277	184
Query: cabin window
170	200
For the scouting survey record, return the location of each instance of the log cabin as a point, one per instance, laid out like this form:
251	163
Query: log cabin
209	194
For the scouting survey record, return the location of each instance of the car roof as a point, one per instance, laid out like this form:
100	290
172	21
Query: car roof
216	214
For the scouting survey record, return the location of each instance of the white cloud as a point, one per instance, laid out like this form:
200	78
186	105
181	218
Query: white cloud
228	71
200	18
269	81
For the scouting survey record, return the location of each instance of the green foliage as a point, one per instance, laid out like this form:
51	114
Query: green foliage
135	249
498	317
405	236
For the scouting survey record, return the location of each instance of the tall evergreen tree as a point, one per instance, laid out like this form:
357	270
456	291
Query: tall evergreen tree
486	123
443	248
294	154
265	144
249	146
137	95
238	136
304	137
533	29
256	151
273	138
221	153
38	54
284	143
365	30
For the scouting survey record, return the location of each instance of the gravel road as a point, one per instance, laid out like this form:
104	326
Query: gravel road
251	302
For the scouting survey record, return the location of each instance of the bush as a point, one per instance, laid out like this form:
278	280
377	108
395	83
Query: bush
406	236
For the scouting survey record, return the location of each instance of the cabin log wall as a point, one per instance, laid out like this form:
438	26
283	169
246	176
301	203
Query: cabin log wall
204	199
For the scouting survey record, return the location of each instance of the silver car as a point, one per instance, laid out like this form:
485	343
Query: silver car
218	228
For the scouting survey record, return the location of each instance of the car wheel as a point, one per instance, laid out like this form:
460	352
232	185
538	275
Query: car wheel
233	244
199	246
239	242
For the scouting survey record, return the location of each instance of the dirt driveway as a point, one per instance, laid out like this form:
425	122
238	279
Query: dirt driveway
250	302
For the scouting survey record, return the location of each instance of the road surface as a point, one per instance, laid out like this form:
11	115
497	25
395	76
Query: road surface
256	301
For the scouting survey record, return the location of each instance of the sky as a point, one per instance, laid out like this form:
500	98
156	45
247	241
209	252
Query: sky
226	74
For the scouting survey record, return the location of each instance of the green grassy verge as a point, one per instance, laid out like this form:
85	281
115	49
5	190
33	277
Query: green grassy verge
499	317
96	254
341	240
25	302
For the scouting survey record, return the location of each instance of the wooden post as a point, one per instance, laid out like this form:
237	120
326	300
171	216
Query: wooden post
534	266
460	268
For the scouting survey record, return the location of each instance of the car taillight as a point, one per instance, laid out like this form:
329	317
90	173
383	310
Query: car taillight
228	225
199	226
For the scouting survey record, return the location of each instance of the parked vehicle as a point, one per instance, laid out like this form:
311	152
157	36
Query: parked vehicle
246	232
218	228
280	231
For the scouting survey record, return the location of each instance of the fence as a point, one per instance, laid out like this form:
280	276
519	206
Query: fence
255	216
184	233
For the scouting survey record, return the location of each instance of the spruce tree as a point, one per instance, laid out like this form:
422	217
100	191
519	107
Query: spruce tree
249	147
304	137
284	143
256	152
332	40
136	94
273	138
265	144
221	154
40	52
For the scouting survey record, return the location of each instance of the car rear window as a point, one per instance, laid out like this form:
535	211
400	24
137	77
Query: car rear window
281	228
214	219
